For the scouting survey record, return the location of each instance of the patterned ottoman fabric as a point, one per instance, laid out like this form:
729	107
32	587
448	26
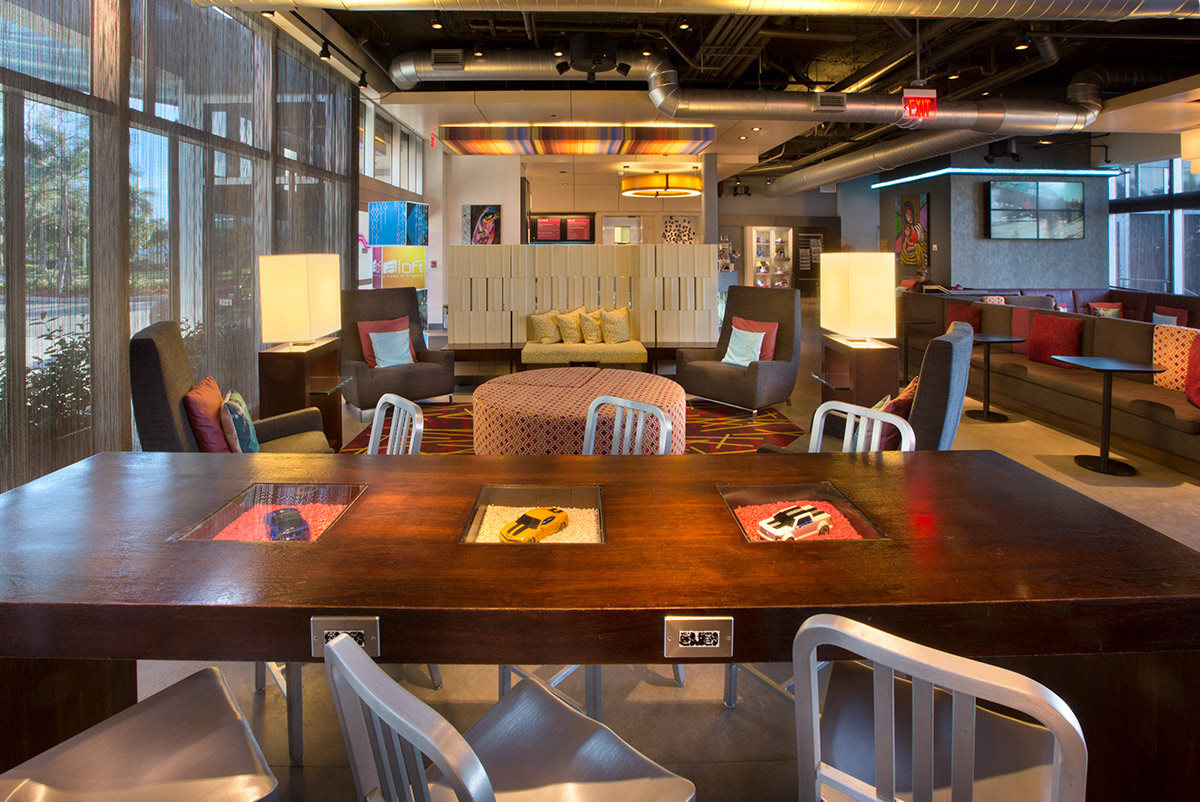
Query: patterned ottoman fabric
626	353
545	411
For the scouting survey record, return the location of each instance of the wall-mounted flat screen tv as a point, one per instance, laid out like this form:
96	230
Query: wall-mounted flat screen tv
1035	209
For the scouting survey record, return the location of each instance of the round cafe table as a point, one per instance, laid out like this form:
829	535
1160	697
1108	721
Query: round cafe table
987	341
1107	366
545	411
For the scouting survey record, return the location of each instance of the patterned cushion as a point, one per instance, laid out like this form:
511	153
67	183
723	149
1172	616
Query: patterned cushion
545	327
615	325
589	325
992	299
568	326
627	352
1171	347
1100	309
203	404
237	425
1192	382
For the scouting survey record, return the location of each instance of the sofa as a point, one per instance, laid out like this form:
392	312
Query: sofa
630	352
1146	418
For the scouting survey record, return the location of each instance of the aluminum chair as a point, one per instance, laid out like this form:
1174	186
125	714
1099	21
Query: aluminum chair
863	427
529	746
186	743
629	428
629	425
408	424
879	735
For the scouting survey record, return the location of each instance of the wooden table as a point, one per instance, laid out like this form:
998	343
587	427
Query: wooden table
987	341
1107	366
983	557
292	377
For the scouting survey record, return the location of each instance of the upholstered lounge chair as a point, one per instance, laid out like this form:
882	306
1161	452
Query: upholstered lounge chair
702	373
937	406
431	375
160	377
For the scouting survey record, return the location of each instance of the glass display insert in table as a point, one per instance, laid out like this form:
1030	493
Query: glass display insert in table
498	505
277	513
780	496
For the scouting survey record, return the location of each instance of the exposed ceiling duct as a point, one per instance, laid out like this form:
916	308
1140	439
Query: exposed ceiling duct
967	9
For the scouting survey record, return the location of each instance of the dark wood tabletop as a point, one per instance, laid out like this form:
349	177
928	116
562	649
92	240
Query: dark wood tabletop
996	339
982	556
1108	364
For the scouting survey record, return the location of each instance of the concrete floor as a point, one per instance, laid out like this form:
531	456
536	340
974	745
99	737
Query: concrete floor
747	753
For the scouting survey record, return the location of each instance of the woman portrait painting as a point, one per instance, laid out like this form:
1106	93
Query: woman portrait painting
912	231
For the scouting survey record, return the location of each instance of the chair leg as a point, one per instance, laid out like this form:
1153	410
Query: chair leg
295	711
591	703
260	677
435	674
680	678
731	685
505	679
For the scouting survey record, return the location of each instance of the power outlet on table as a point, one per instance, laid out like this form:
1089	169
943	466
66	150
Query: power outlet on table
364	629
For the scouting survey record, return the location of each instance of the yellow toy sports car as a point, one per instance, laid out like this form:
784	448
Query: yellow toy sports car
535	525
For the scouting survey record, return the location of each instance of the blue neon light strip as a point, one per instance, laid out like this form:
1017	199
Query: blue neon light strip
992	171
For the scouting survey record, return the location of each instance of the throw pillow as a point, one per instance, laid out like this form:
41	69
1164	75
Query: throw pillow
743	347
1050	336
392	348
203	404
365	327
966	313
615	325
1191	385
1172	346
1106	309
545	327
769	332
992	299
589	325
1181	315
237	424
568	326
1163	320
900	405
1022	320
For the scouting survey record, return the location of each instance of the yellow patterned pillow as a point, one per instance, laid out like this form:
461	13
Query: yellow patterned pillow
589	324
545	327
1171	347
568	326
615	325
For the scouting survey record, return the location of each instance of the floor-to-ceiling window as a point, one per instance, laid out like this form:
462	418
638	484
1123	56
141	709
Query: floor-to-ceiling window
129	198
1154	228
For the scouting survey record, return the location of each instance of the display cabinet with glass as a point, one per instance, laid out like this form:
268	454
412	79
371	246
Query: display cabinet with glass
769	263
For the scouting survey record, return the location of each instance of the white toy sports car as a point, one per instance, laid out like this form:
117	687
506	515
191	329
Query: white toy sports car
796	523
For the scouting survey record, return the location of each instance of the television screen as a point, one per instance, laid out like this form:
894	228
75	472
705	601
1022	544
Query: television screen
1035	210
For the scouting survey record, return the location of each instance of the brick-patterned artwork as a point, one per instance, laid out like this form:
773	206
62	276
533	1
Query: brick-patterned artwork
679	230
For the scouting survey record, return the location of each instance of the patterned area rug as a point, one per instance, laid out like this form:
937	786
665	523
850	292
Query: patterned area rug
711	429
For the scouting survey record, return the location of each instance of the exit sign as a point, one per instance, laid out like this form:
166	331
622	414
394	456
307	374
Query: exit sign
919	104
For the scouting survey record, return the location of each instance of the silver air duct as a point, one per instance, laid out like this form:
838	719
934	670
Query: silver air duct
964	9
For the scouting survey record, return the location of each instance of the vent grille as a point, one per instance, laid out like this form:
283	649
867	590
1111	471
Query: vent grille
831	100
447	60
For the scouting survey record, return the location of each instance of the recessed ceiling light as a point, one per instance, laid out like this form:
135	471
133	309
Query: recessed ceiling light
984	94
742	137
756	128
558	52
478	50
954	76
646	52
684	24
436	24
1022	44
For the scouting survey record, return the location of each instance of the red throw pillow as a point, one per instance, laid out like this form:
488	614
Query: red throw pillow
1097	305
966	313
367	327
1180	315
1191	385
766	351
203	404
900	405
1051	335
1022	320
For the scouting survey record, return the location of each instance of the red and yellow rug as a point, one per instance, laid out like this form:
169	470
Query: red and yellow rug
711	429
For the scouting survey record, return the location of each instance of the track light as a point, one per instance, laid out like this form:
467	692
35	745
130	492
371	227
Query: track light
623	68
563	66
324	55
954	76
436	24
684	24
646	51
267	13
558	51
478	50
362	80
1022	44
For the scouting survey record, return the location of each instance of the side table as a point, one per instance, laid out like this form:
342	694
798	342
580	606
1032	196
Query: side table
987	341
1107	366
858	371
292	377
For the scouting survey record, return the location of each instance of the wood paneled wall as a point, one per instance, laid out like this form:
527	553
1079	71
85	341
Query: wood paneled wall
671	290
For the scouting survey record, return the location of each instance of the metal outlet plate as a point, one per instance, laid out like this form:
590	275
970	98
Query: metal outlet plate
698	636
363	628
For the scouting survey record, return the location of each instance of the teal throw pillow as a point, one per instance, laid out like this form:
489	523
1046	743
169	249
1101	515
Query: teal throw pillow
743	347
391	348
1164	320
237	424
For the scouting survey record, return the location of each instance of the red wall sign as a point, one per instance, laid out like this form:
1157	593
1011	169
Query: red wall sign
919	104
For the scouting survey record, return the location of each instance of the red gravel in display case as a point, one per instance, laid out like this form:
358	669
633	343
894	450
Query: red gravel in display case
751	505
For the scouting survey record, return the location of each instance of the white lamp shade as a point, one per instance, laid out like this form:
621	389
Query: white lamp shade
1189	146
858	294
301	296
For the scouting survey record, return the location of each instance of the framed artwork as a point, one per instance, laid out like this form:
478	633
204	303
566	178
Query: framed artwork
912	231
481	225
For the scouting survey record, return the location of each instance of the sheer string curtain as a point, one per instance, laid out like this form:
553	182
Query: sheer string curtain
186	93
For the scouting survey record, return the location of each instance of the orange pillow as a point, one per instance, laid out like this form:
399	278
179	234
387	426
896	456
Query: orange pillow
367	327
766	351
203	404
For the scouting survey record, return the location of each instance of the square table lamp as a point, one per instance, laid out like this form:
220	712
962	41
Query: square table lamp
858	294
301	296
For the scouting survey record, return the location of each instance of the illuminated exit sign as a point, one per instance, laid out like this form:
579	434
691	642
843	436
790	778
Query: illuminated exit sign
919	104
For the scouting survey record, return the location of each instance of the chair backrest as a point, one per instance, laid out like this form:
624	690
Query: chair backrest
384	304
864	427
159	378
388	730
767	305
408	424
932	671
937	406
629	425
